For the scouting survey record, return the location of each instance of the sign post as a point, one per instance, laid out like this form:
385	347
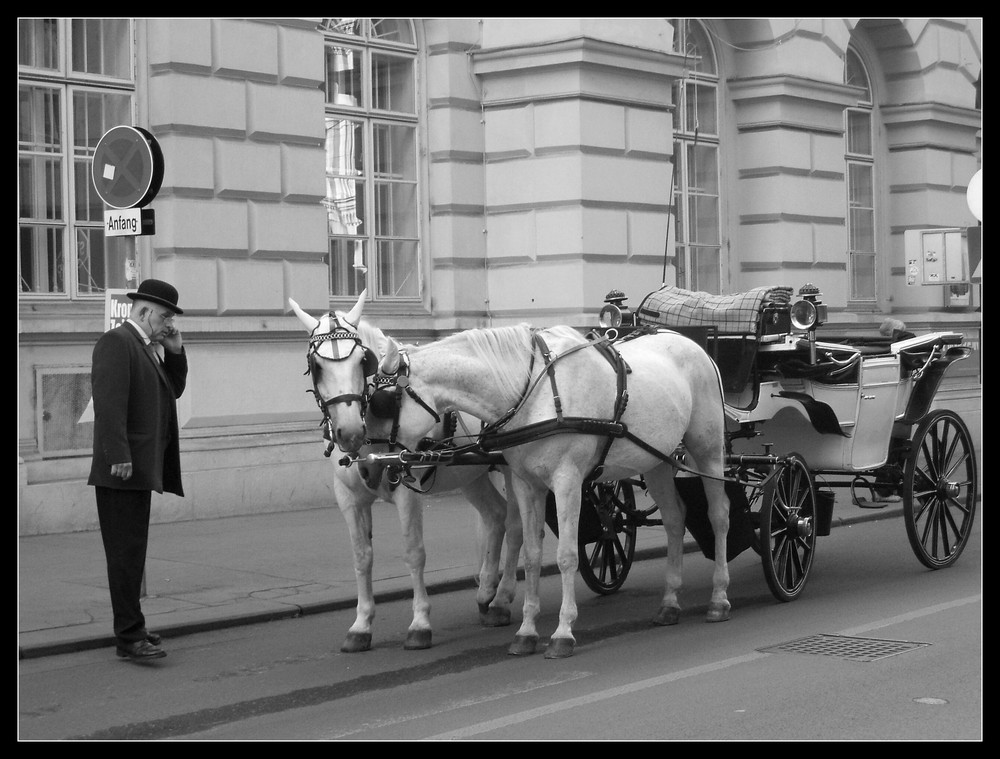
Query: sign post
127	173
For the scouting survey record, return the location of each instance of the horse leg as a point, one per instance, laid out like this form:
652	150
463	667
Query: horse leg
355	505
491	508
411	519
718	515
567	492
704	442
660	482
531	504
515	539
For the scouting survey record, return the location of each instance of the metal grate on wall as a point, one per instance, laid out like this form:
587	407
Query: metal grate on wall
62	398
845	647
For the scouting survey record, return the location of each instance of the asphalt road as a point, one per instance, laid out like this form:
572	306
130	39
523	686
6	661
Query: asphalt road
628	680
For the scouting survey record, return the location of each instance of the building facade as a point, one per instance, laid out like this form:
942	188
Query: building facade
465	173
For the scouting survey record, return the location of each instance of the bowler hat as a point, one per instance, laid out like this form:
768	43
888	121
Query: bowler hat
158	291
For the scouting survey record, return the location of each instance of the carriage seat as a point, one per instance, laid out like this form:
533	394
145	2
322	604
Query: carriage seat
738	314
736	323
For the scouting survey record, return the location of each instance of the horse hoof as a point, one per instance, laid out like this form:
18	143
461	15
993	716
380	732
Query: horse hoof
417	640
523	645
484	609
356	642
559	648
493	617
717	612
667	615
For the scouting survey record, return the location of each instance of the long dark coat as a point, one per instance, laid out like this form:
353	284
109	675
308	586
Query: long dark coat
135	412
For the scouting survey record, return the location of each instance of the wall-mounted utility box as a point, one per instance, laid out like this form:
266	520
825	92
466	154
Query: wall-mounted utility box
936	256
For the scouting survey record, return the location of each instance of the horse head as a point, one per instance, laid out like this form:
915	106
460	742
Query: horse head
339	363
399	415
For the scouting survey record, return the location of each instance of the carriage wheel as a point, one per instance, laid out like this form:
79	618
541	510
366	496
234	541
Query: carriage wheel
787	528
939	489
606	553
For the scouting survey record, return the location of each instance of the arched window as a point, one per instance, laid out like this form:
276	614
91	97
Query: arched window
75	82
371	158
696	161
859	153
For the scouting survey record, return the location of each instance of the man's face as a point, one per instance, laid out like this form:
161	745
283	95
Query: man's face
159	323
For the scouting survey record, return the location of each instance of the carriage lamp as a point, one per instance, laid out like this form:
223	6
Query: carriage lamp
807	314
615	313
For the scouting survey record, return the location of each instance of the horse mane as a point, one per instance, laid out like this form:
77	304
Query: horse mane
506	351
372	337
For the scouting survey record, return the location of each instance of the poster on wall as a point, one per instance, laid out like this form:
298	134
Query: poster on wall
116	308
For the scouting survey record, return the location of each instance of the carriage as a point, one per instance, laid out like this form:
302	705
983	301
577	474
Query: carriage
804	416
731	402
846	412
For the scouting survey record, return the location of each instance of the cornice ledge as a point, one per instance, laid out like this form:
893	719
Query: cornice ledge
930	111
576	51
790	86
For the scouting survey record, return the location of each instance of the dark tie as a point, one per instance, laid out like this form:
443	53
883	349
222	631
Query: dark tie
152	350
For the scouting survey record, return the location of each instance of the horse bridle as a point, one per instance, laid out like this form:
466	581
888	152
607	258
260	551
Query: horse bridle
385	401
386	398
369	366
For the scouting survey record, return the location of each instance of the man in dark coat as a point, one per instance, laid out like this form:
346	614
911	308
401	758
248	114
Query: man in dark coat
136	447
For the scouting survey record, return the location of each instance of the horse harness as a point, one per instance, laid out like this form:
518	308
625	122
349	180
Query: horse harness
386	397
339	330
493	438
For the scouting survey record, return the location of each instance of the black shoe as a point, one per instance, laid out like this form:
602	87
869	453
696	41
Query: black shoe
140	650
153	638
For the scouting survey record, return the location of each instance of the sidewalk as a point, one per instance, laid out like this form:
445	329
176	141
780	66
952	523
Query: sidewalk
216	573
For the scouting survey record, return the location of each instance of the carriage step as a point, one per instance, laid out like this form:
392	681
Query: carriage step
878	503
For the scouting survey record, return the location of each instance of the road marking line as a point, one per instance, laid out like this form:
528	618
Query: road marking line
561	706
912	615
654	682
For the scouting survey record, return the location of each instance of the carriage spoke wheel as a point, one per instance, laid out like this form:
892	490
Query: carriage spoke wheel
605	558
787	528
939	489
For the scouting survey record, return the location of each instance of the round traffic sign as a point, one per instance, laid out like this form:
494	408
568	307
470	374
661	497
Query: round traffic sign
128	167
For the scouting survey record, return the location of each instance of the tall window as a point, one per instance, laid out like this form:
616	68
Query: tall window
75	81
860	157
696	161
371	158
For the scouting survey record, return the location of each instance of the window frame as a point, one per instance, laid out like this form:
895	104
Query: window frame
352	277
865	105
67	82
684	194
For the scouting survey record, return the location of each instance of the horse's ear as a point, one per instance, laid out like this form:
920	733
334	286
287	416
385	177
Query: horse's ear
390	361
355	315
309	322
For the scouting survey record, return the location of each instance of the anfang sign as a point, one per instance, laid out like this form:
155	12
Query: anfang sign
129	223
128	167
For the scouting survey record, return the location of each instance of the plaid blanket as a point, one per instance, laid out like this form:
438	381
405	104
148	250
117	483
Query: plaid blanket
729	314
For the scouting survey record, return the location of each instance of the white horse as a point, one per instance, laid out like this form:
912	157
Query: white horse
541	397
339	363
356	488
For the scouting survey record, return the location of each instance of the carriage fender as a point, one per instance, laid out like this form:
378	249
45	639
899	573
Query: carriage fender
824	419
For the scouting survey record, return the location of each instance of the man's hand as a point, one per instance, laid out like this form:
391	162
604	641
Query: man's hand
122	470
172	341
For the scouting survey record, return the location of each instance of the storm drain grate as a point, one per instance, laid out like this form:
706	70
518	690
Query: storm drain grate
844	647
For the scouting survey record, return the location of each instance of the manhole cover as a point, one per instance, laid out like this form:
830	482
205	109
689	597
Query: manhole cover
844	647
